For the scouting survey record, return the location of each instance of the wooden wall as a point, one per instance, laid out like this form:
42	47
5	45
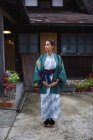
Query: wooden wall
77	66
28	65
9	53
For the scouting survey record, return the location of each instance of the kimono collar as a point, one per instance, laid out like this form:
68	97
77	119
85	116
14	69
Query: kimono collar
44	58
51	56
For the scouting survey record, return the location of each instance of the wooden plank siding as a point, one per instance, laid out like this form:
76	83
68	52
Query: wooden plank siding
63	17
28	65
9	53
78	66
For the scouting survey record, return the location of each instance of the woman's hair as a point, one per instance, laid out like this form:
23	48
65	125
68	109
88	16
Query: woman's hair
51	42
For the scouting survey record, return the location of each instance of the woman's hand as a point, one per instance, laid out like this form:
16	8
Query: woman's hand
46	84
54	83
50	85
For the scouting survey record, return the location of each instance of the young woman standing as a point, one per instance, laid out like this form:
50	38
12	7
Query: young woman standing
50	75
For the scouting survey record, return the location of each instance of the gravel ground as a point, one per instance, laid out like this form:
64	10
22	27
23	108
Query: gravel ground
75	122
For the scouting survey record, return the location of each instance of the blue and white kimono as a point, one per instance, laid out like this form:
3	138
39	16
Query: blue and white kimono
50	102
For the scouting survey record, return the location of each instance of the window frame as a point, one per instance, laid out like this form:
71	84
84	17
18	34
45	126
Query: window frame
85	36
51	5
27	43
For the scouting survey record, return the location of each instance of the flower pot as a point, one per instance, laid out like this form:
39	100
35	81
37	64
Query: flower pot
69	89
36	90
81	89
6	104
90	88
10	95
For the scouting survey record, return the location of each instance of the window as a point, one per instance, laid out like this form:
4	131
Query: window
72	44
31	3
68	44
89	44
33	43
81	44
64	44
28	43
57	3
23	43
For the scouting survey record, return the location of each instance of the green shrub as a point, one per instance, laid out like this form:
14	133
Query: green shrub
13	77
83	84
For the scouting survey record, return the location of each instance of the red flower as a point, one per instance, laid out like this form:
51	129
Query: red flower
9	86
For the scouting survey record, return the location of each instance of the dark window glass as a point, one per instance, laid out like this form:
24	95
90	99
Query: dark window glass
23	43
81	44
73	44
28	43
89	44
64	44
34	43
68	44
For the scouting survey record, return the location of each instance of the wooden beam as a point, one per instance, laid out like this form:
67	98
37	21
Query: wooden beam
6	15
2	57
16	10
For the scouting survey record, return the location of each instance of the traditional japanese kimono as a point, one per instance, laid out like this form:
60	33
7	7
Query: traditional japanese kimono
49	69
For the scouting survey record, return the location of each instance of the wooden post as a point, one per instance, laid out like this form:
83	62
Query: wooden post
2	57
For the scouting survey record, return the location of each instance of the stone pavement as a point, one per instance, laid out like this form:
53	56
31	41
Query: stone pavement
7	117
75	122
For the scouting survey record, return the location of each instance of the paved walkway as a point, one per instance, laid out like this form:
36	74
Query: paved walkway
7	118
75	123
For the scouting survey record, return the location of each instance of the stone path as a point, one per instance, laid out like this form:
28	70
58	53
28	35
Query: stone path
7	117
75	122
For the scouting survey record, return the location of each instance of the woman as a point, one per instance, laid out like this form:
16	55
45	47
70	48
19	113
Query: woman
50	75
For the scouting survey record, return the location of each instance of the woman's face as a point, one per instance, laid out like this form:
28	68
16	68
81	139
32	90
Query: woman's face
48	46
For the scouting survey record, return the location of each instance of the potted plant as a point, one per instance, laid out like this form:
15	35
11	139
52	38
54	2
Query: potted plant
90	81
36	87
82	86
13	77
9	80
69	86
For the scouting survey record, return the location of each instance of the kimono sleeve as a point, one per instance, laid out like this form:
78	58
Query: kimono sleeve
61	73
37	77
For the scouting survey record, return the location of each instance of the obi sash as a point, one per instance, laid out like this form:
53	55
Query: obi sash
45	75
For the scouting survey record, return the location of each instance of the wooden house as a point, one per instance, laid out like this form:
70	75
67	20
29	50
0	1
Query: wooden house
68	22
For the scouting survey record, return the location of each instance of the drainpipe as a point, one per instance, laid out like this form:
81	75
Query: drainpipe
2	55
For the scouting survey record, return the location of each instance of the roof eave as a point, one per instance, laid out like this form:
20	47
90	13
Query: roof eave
16	10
